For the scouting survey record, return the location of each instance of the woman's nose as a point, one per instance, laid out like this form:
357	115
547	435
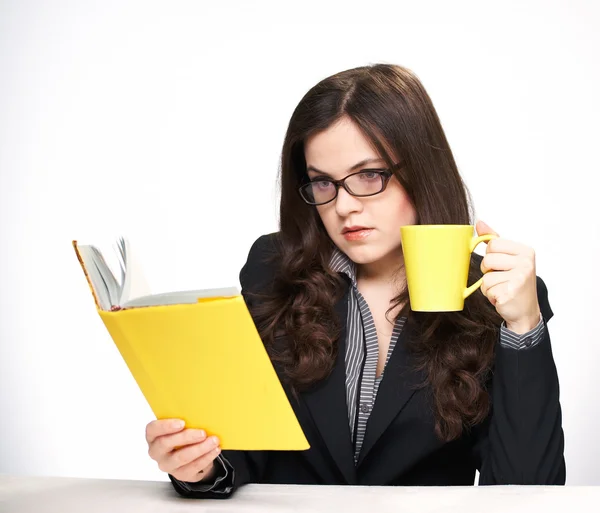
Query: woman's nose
345	203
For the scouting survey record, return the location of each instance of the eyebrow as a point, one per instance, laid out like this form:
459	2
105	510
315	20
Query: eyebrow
355	166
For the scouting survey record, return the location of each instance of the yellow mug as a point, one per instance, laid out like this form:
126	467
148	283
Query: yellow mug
436	259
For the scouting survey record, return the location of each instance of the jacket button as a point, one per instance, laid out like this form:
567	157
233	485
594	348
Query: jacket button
528	342
364	408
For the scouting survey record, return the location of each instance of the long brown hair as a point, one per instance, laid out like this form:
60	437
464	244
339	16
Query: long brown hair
393	110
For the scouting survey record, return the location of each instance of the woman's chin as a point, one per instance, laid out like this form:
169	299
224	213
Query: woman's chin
370	253
363	255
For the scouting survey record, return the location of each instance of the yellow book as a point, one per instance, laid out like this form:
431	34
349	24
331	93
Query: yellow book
195	355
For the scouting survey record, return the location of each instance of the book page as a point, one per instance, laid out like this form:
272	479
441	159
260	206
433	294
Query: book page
134	282
133	290
105	285
181	297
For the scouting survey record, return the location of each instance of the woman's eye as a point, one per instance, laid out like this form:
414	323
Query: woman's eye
322	184
368	175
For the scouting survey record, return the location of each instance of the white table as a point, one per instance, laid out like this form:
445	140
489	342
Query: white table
65	495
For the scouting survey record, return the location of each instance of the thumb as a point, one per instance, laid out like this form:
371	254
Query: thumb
484	229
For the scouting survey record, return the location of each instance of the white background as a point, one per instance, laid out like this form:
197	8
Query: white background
164	122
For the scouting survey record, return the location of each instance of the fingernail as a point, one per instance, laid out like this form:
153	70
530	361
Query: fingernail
178	424
217	450
201	434
214	440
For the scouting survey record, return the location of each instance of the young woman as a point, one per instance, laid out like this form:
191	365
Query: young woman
385	395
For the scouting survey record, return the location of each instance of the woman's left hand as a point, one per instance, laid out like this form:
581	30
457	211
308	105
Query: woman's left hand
509	281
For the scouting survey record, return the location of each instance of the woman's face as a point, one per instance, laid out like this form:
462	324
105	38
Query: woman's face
334	153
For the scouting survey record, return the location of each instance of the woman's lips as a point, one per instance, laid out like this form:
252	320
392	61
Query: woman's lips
360	234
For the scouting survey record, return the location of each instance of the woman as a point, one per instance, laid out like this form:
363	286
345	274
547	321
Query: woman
385	395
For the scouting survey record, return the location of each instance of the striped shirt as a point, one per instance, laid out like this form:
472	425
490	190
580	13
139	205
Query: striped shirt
362	354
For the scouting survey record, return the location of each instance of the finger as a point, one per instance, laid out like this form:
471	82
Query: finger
187	454
196	470
497	293
494	278
498	262
161	427
506	246
168	443
484	229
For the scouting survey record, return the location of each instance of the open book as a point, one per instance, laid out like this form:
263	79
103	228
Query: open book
130	289
196	355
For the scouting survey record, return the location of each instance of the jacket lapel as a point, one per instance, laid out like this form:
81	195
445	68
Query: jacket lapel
398	385
327	405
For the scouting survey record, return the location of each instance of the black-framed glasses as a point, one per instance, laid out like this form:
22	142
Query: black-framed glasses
366	182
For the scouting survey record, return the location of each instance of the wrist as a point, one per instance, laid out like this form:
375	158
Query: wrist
525	325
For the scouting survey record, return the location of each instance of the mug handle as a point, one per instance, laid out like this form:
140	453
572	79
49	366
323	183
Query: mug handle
474	243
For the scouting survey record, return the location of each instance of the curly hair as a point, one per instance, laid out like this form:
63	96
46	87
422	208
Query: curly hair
455	349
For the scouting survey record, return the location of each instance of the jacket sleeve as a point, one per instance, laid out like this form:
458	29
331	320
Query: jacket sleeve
522	440
239	467
220	484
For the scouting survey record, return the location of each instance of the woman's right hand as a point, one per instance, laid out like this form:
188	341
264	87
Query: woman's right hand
186	454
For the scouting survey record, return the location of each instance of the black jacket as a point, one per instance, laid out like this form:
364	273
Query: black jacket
520	442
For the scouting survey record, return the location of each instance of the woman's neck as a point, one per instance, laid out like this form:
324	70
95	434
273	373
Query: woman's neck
386	271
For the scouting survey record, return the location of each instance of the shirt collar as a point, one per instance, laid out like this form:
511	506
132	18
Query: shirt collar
341	263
